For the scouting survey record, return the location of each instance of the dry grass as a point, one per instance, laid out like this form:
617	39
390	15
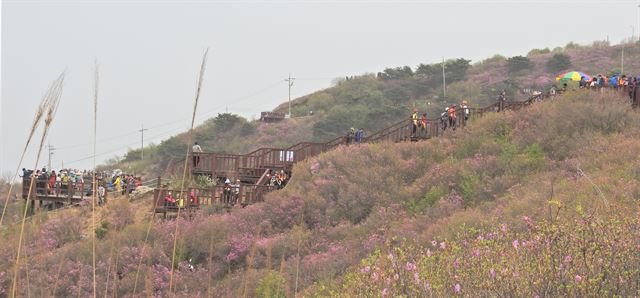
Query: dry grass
186	161
34	126
52	100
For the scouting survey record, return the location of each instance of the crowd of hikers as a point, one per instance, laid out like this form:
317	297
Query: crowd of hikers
229	192
69	182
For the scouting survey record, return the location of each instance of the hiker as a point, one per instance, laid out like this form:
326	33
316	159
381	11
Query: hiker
465	110
236	192
196	150
118	183
583	82
193	199
169	200
414	122
350	135
52	182
601	81
613	81
359	135
502	98
444	118
64	181
101	193
226	191
423	124
452	117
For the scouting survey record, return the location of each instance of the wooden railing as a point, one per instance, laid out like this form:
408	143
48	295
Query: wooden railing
63	192
166	199
252	168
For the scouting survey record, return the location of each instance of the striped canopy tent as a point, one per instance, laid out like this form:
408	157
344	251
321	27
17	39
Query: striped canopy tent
572	76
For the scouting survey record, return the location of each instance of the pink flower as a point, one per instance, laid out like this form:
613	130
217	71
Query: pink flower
427	286
480	238
503	227
515	244
568	259
476	253
527	220
578	278
384	292
429	253
365	269
456	263
443	245
492	273
410	266
456	288
434	243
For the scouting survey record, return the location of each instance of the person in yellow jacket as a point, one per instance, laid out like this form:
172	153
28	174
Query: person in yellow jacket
118	183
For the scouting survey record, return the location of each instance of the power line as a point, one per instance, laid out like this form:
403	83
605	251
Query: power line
217	108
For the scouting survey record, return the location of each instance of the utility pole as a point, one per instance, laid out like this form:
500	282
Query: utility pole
50	149
290	82
444	81
142	129
639	22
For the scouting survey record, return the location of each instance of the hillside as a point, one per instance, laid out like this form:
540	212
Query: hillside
374	101
539	202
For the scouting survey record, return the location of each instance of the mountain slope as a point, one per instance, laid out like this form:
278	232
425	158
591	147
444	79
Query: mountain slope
352	207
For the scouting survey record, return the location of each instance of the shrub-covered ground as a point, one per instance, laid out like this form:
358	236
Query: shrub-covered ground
538	202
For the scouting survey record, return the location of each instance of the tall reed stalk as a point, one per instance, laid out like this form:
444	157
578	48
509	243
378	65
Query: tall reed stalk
186	164
53	99
250	259
34	126
96	81
114	243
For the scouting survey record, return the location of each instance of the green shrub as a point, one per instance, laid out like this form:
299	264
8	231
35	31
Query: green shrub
102	230
271	286
430	198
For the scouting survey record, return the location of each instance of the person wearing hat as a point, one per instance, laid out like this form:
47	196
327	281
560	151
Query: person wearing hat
465	110
226	191
350	135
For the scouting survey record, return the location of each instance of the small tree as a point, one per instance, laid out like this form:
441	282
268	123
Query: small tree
271	286
518	63
398	73
558	62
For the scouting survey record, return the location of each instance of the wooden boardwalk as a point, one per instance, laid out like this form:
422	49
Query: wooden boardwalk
252	168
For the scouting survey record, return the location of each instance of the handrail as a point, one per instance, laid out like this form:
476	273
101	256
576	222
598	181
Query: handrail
265	158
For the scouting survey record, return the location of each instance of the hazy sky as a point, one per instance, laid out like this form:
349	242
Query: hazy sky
149	53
